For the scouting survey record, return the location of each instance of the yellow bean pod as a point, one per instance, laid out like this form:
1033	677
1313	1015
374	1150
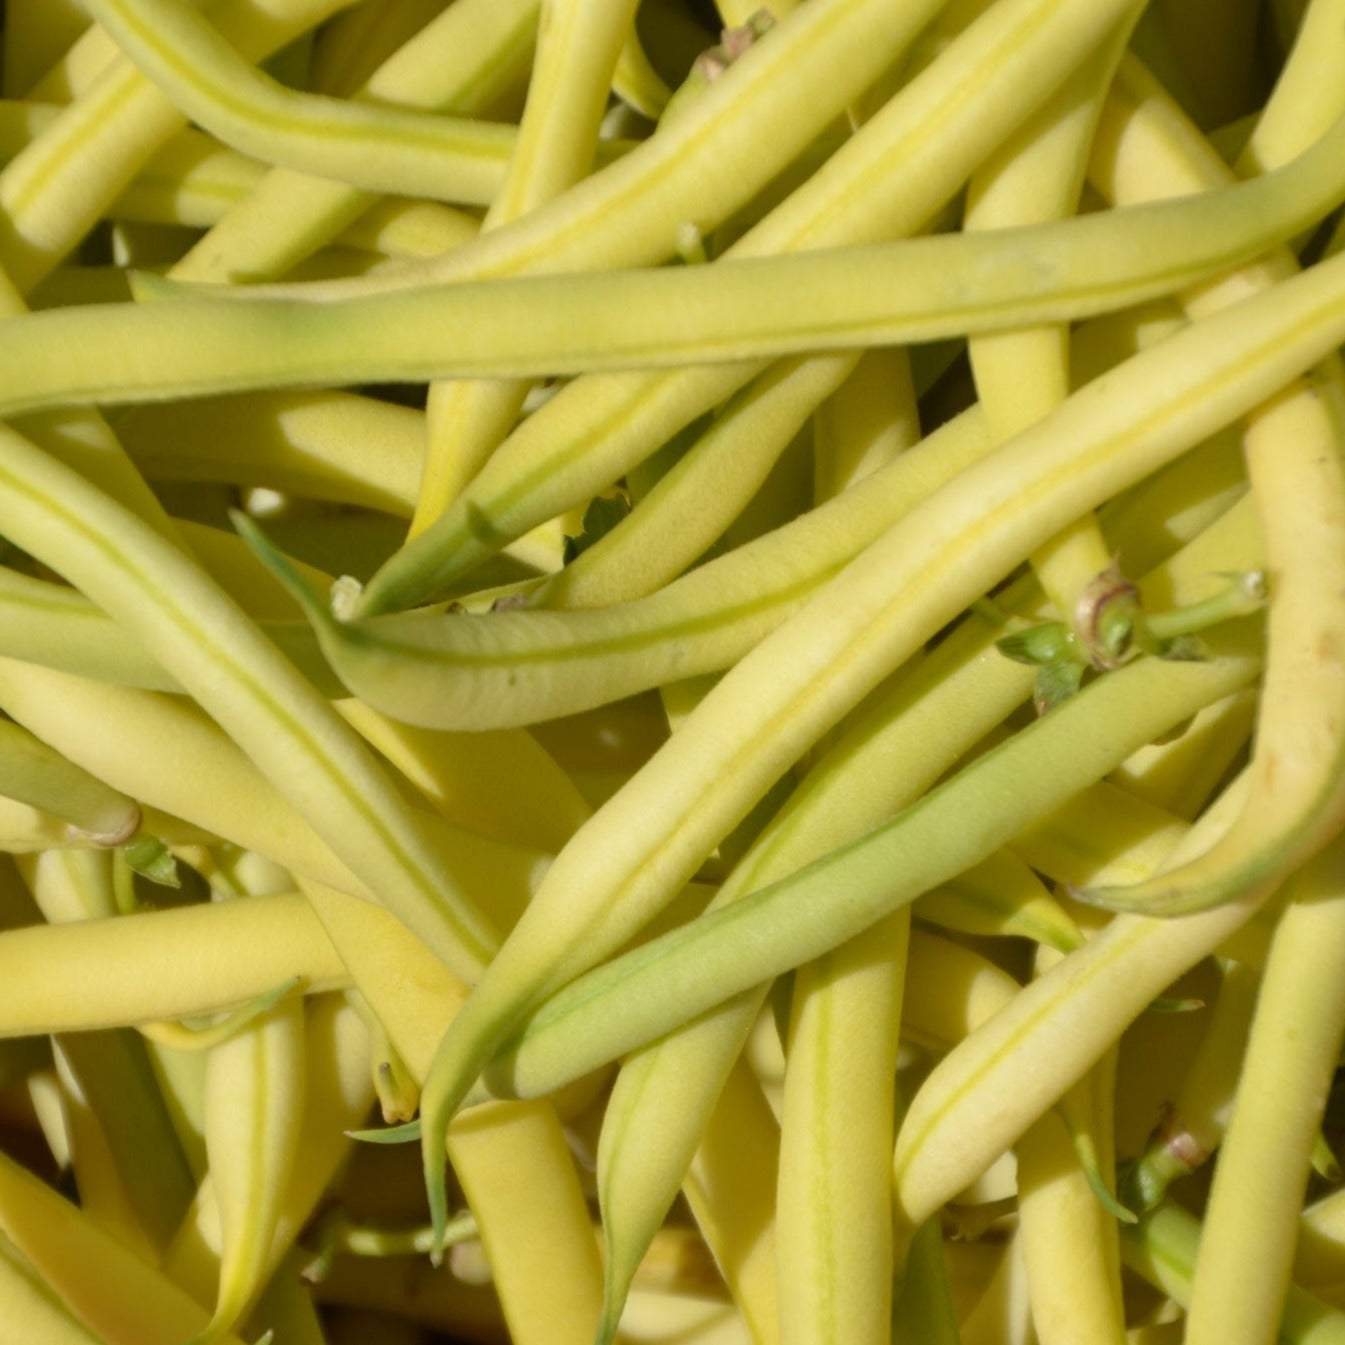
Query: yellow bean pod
1035	176
57	188
952	568
334	1078
1263	1165
34	774
247	685
607	1011
577	51
31	1308
1294	455
144	971
833	1201
106	1287
252	1120
459	62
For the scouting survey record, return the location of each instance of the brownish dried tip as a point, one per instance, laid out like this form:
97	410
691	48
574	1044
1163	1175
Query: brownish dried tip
1100	618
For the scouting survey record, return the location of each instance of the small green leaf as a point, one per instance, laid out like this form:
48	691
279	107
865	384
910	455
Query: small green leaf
1038	645
406	1133
151	858
1056	683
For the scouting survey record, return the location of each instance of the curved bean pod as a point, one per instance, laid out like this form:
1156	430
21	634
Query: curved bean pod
381	149
460	62
611	1009
254	1102
57	188
701	777
190	626
102	1283
1049	1036
511	668
194	181
1296	460
636	82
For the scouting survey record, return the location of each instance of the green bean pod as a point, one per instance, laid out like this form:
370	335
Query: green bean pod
935	568
509	668
611	1009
